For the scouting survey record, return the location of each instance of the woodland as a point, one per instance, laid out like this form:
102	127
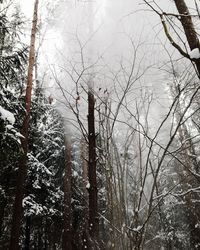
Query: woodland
99	125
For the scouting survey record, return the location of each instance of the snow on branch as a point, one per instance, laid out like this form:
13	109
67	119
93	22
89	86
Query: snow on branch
7	115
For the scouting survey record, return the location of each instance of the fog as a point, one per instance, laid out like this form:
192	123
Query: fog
119	32
112	35
113	113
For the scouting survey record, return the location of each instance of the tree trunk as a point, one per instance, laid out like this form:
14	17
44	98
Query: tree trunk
92	188
3	204
45	235
28	233
84	163
189	29
17	212
67	234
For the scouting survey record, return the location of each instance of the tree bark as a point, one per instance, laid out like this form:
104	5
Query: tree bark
188	26
92	177
84	163
67	234
22	172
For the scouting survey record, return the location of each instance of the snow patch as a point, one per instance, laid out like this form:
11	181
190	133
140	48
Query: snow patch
7	115
88	185
9	127
194	54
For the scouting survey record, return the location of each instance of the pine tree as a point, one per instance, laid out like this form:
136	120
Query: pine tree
12	66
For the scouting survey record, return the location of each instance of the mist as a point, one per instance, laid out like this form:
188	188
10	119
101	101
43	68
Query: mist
119	32
99	124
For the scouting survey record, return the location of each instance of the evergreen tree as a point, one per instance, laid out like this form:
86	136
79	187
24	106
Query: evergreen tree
12	65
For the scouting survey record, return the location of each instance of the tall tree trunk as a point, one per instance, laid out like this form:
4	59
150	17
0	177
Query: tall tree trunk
92	176
84	163
22	172
188	26
67	234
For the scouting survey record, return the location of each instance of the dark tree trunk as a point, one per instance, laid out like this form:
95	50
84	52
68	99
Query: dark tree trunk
188	26
39	239
45	235
17	212
28	233
84	163
92	177
4	199
67	234
3	204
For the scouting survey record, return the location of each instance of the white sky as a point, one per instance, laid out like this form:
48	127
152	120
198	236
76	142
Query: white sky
117	18
26	7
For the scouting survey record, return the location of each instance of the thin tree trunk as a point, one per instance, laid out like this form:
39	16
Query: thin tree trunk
92	189
189	29
17	212
67	234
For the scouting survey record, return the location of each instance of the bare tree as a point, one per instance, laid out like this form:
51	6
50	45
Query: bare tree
187	23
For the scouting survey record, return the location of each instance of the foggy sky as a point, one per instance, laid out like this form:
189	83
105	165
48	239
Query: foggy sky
114	24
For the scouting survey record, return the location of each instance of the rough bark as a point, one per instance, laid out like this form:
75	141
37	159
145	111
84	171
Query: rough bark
67	234
84	164
92	177
187	24
189	29
17	212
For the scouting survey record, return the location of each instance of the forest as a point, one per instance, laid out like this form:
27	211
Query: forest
99	125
